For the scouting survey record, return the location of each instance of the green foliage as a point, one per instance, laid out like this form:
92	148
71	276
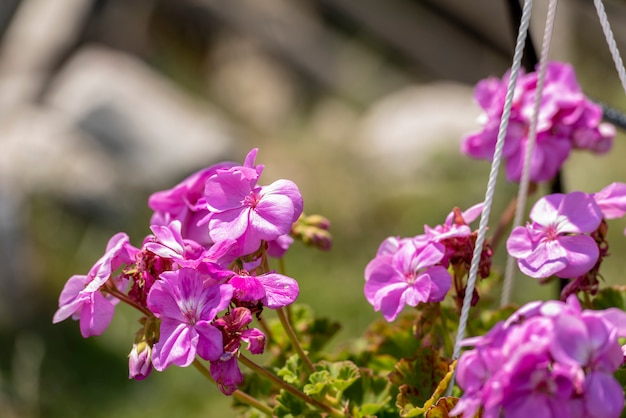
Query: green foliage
291	406
313	333
331	379
418	378
608	297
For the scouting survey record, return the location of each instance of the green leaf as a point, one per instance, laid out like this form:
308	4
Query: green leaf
332	378
396	339
608	297
289	405
320	332
420	381
370	395
292	370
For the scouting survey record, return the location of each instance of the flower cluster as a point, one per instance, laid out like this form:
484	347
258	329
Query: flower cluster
567	120
409	271
566	235
201	274
549	359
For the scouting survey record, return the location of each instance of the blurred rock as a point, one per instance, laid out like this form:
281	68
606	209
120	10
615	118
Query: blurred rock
151	129
402	131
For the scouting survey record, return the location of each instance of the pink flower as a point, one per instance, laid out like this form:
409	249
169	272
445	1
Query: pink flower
181	203
566	120
549	359
187	302
407	277
612	200
248	213
555	242
81	297
272	289
234	327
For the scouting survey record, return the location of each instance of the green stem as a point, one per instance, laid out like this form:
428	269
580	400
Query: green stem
113	291
447	340
294	339
239	395
289	388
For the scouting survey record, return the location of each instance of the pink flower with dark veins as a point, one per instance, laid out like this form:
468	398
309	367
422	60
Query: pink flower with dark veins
187	302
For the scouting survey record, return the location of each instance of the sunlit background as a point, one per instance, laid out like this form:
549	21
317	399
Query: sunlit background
363	103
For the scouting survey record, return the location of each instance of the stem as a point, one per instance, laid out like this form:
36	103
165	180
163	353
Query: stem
294	339
289	388
113	291
447	340
239	395
586	300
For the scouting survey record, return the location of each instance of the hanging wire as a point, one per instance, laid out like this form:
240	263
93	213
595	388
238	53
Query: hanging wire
522	193
491	184
610	40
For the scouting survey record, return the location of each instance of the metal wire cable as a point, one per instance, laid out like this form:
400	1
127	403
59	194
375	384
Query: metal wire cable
522	193
491	184
610	40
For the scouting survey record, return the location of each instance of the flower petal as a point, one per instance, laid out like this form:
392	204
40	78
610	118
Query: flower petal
210	343
582	255
280	290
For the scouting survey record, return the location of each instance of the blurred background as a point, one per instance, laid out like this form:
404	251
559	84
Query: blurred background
363	103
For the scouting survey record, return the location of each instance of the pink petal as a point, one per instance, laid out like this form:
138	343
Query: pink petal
382	276
290	190
570	345
546	259
612	200
96	316
390	300
230	224
429	256
279	290
247	288
603	396
582	254
519	244
578	213
255	339
441	283
272	217
177	345
545	211
226	374
210	343
162	299
227	189
419	291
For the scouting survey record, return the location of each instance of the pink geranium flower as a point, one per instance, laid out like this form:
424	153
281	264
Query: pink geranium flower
272	289
234	327
187	302
181	203
554	243
81	297
243	211
409	276
567	120
550	359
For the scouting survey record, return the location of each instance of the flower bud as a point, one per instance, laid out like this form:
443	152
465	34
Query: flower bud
140	361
